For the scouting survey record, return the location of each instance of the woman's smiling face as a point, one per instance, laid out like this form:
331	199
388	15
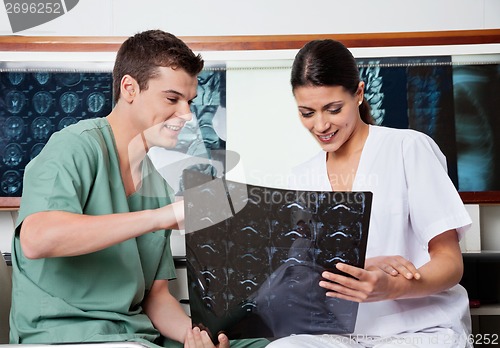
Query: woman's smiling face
330	113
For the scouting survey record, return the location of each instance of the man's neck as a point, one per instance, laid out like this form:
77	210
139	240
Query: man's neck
131	148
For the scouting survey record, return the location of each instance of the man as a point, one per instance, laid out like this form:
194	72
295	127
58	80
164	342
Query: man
91	253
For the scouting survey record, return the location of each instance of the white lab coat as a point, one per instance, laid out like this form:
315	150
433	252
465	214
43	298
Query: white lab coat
413	201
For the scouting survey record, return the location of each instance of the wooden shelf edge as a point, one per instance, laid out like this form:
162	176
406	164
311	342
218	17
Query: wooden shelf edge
9	203
485	198
254	42
480	197
488	309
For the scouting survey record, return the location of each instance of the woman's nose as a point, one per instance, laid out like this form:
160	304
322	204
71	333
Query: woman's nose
321	122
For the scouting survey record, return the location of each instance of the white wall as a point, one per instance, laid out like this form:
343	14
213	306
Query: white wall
261	17
261	103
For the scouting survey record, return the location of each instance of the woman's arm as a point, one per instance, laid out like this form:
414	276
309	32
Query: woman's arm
59	233
443	271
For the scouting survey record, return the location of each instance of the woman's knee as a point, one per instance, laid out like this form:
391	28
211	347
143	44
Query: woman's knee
314	341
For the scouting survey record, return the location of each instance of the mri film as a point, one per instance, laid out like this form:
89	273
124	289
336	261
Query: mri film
33	105
254	261
476	89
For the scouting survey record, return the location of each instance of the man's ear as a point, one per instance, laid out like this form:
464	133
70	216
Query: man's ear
128	88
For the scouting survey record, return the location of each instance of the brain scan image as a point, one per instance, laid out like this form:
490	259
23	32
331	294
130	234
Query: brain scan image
42	77
15	101
41	128
12	155
10	182
33	105
42	102
13	128
96	101
264	262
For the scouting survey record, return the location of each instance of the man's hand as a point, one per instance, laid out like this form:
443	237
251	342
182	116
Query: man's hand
171	216
196	338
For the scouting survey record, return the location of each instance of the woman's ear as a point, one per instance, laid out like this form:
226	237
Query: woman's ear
128	88
360	92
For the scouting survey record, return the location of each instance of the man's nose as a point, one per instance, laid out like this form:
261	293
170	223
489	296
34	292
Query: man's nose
185	113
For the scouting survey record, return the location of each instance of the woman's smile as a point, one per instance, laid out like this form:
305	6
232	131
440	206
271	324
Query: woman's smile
326	138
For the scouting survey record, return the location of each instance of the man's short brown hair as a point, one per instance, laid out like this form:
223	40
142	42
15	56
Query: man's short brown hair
141	55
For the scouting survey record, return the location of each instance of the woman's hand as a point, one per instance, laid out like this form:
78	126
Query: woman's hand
393	265
373	283
378	282
196	338
364	285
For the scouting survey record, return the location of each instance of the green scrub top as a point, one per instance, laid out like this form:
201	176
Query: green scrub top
98	296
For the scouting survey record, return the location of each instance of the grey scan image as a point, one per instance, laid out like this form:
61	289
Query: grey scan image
255	256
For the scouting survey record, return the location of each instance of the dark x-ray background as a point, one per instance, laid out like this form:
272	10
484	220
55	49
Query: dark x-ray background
455	104
476	91
33	105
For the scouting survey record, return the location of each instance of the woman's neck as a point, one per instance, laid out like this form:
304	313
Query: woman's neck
354	144
342	165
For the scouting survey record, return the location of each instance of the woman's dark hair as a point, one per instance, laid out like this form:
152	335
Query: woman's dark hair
141	55
328	63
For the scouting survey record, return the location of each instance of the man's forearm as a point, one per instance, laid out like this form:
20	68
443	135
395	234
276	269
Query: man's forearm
58	233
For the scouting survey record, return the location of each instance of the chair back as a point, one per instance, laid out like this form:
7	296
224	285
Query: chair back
5	299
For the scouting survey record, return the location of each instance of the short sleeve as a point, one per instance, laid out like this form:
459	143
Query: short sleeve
59	178
166	269
434	203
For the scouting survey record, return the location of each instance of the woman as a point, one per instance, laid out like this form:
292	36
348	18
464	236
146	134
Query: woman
408	290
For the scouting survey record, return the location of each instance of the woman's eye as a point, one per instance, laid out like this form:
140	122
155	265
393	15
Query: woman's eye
307	114
172	100
335	111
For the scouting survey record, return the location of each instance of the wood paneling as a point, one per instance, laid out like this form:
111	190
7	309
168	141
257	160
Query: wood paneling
260	42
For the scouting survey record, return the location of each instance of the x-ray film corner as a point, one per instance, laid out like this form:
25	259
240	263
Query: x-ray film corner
219	203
